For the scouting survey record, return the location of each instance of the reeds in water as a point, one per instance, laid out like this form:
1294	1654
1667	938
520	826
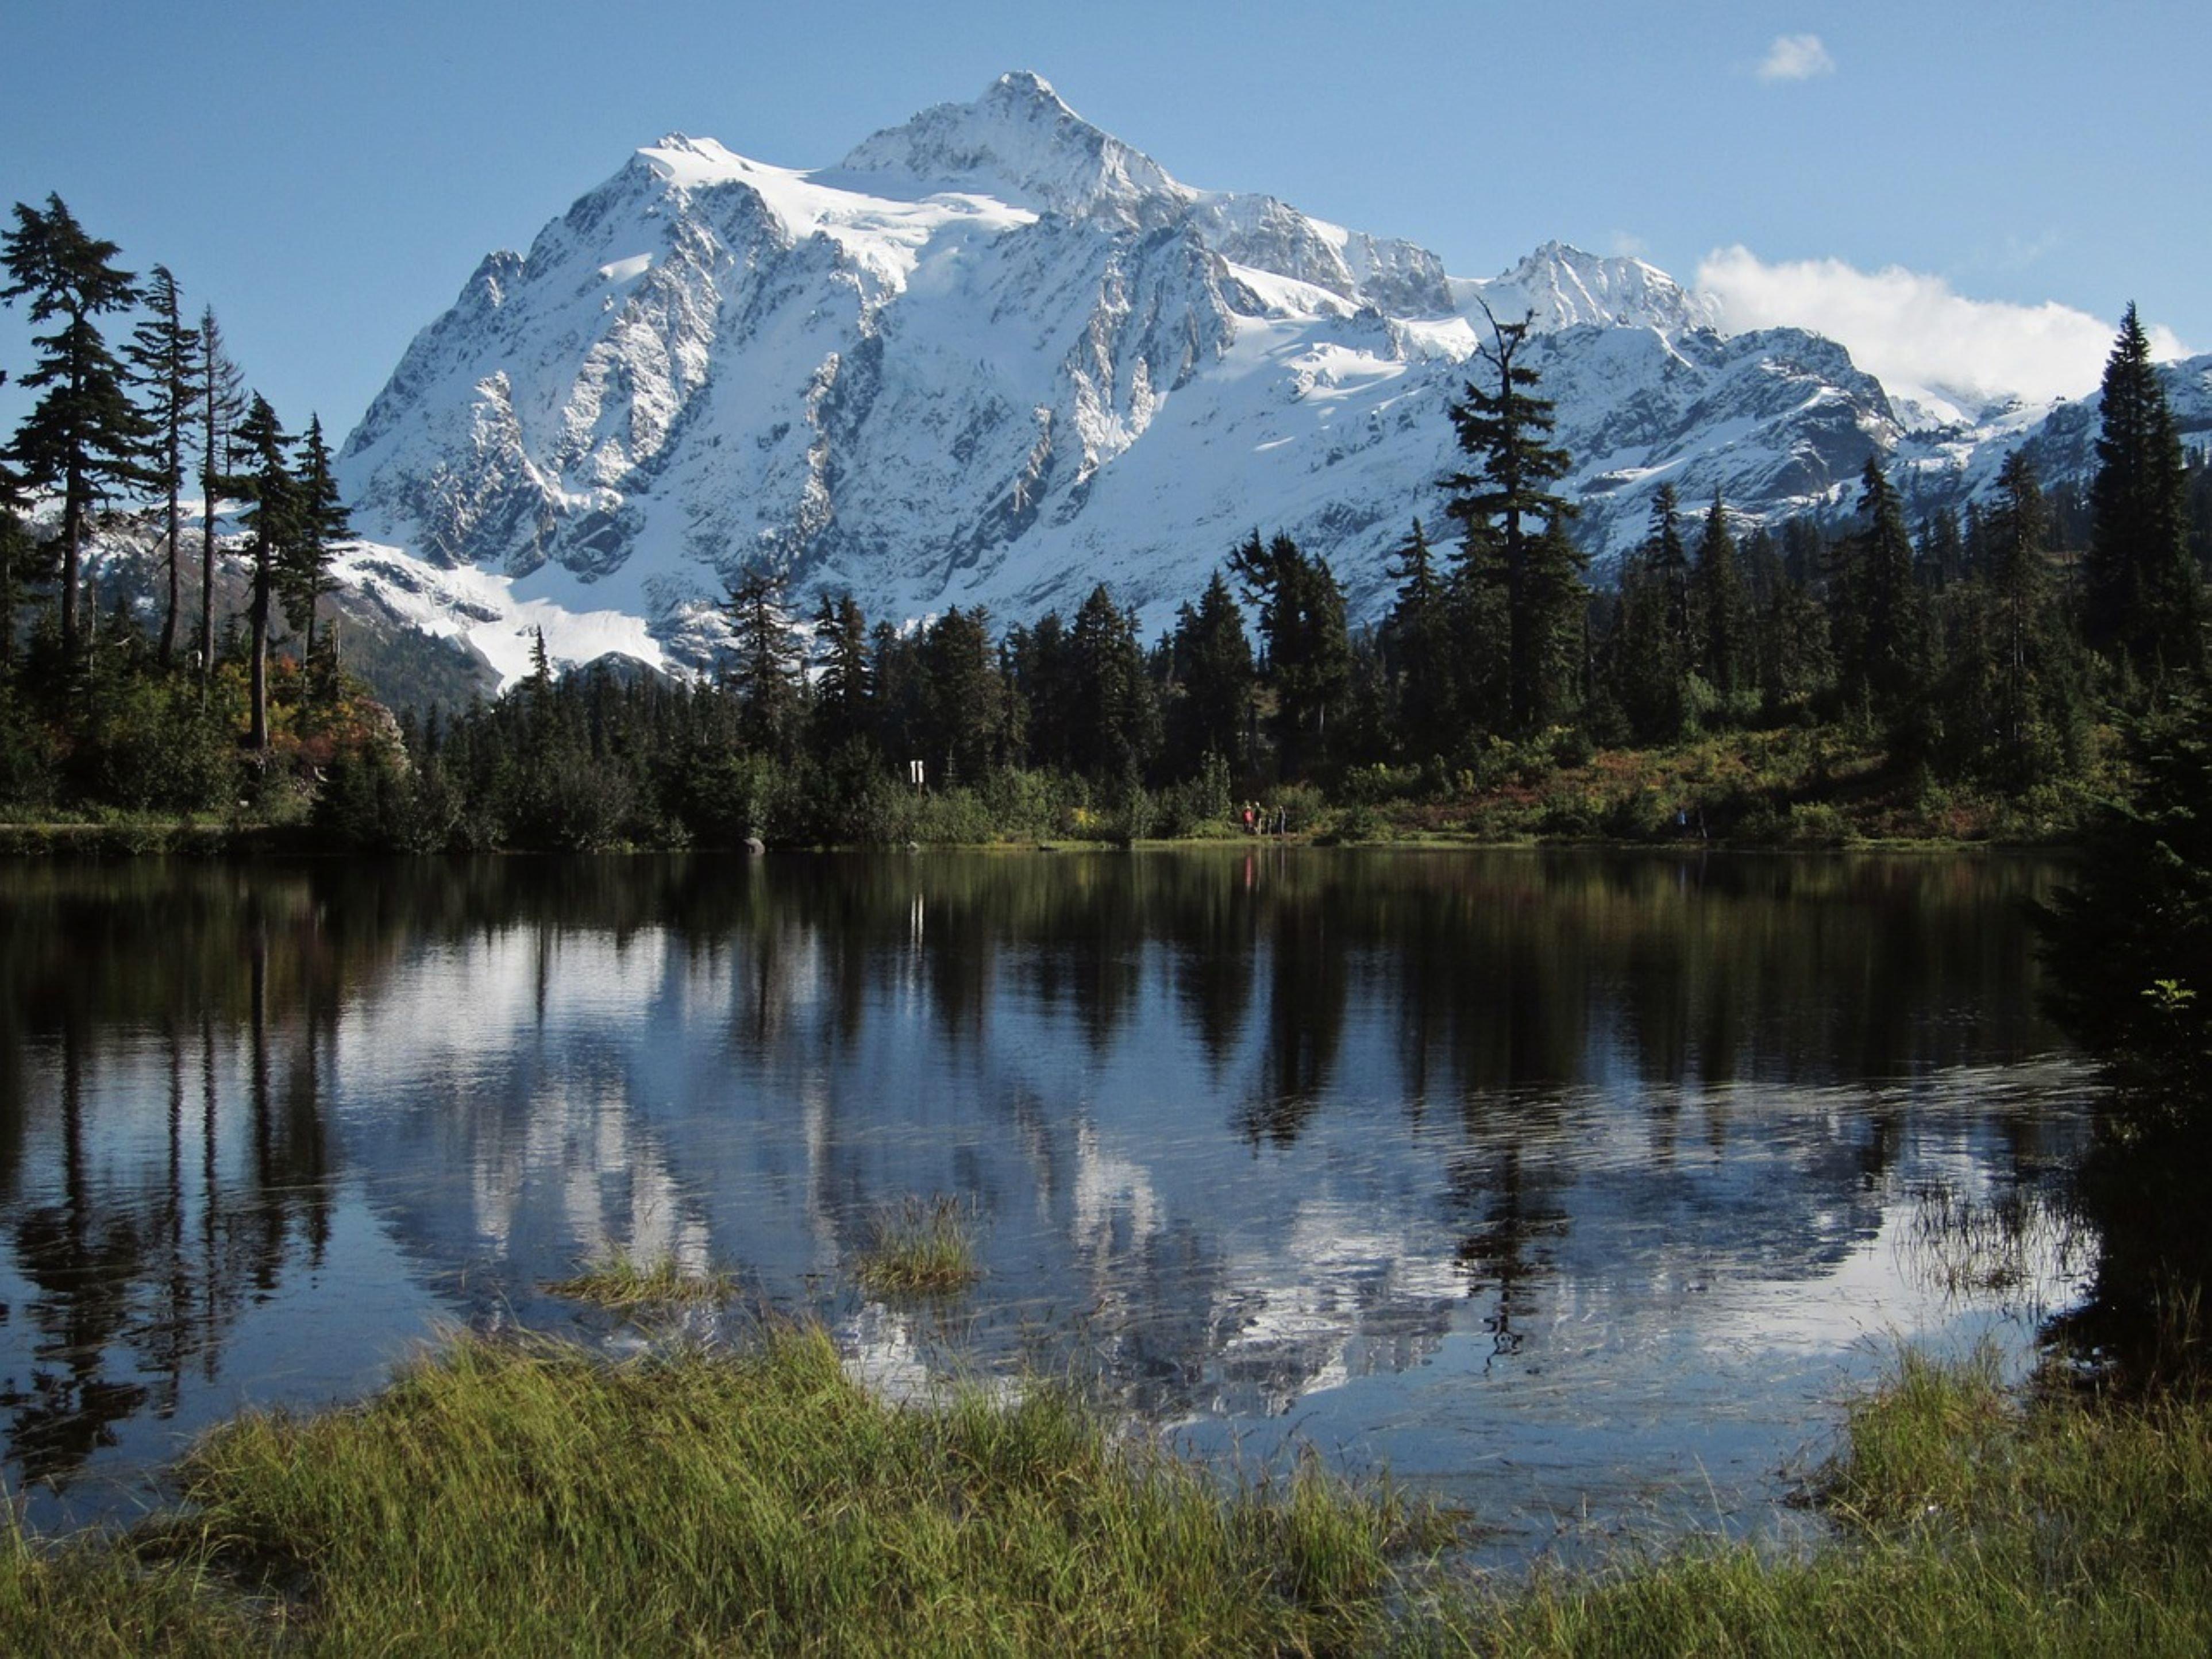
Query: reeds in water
919	1247
624	1282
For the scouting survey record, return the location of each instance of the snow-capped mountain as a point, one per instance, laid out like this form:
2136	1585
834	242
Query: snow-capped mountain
995	355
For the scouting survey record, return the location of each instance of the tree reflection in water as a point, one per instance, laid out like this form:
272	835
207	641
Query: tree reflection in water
1252	1120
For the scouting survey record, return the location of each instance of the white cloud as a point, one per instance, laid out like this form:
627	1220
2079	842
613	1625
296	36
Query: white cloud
1914	333
1796	57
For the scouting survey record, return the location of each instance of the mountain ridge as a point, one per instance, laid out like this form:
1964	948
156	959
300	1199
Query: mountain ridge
997	354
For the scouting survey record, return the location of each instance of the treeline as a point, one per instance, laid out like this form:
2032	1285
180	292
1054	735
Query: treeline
1981	649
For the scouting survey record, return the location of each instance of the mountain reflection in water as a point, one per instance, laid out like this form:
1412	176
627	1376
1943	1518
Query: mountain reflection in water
1551	1180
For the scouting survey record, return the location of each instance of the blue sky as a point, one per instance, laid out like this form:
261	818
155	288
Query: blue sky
328	175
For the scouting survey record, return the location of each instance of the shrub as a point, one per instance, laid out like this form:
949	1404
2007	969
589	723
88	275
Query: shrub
1199	805
1301	805
1816	824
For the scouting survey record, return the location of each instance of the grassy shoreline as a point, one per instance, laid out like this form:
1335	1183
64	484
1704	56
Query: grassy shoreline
526	1496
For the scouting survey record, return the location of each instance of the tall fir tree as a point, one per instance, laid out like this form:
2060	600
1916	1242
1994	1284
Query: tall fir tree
1651	662
272	522
1211	658
1417	650
2034	698
323	524
1045	682
24	565
843	685
1667	558
222	407
164	358
83	437
1723	647
1942	549
764	669
1309	650
1876	599
963	714
2144	599
895	677
1115	725
1523	575
1796	646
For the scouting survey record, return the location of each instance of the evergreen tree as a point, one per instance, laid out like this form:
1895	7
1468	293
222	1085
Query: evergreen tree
1804	551
1651	663
538	688
164	360
1942	549
1044	678
1559	645
1666	558
1722	658
894	674
1417	646
963	706
1115	726
83	436
1654	657
24	565
2144	599
1877	601
2034	700
764	669
1212	656
1364	735
1308	651
1792	643
272	526
2200	511
1523	575
222	407
324	523
843	681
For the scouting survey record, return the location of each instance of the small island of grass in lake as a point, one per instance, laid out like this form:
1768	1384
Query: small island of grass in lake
919	1247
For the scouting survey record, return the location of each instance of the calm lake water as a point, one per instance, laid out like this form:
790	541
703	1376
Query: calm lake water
1574	1186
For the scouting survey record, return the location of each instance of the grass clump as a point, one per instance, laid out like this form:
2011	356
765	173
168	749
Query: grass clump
620	1281
1971	1520
921	1247
520	1498
88	1598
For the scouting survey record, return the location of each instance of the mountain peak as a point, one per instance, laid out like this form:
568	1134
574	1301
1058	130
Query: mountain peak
1020	87
1563	285
1021	142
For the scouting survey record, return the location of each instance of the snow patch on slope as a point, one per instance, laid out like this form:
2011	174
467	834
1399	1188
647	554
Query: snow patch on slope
487	611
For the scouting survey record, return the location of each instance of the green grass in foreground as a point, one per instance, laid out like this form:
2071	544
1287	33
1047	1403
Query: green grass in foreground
526	1499
920	1249
519	1499
621	1281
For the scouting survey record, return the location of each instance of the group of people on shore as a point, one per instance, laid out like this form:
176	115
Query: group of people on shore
1266	820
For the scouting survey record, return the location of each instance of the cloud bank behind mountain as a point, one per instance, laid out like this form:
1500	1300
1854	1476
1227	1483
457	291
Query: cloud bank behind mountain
1918	334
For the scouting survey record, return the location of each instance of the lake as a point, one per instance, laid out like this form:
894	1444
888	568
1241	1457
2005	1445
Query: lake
1572	1186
